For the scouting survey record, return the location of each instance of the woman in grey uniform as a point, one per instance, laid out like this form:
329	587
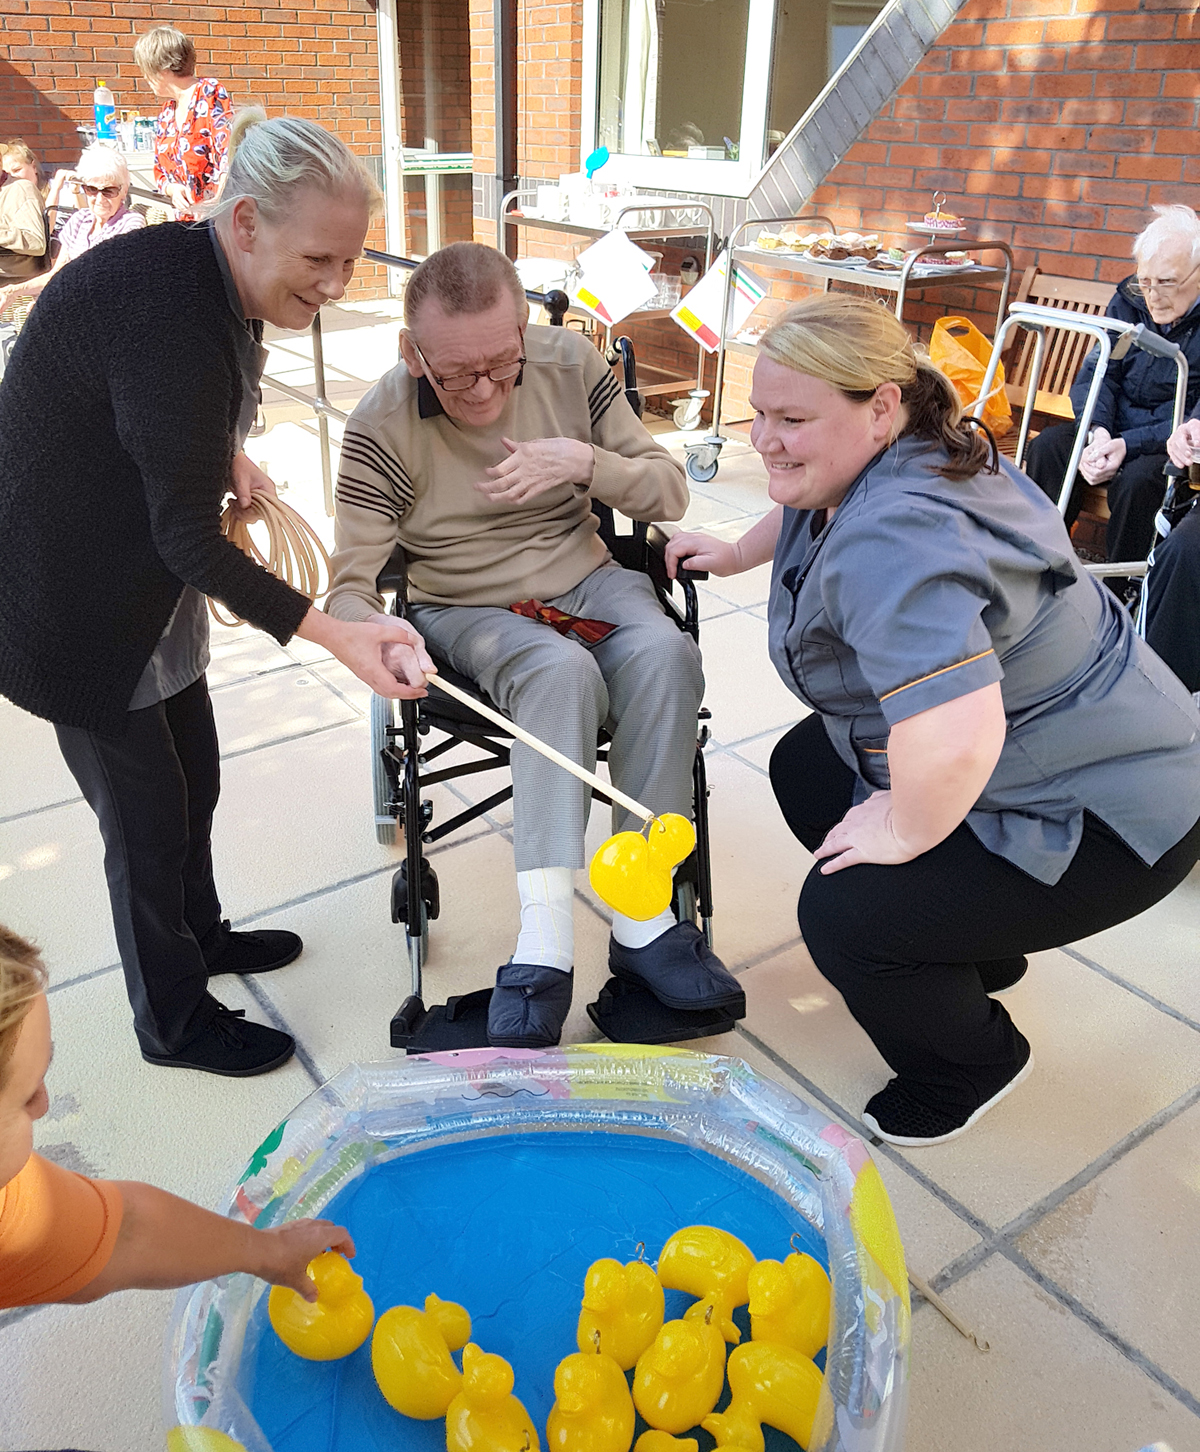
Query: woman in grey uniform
996	764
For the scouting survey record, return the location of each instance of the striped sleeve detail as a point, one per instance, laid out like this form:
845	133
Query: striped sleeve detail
603	396
932	674
371	477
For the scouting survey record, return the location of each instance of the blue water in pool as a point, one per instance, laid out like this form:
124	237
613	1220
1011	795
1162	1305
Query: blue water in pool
507	1226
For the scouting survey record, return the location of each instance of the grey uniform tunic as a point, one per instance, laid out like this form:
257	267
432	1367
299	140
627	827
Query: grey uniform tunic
922	589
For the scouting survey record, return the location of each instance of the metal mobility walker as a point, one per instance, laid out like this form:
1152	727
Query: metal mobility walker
401	771
1114	339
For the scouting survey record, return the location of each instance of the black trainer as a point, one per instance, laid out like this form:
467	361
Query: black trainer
895	1114
259	952
231	1046
529	1006
680	970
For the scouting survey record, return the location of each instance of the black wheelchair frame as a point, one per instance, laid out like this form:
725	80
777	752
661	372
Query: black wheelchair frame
401	768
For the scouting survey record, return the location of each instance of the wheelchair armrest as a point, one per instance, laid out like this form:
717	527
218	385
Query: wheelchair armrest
394	575
657	537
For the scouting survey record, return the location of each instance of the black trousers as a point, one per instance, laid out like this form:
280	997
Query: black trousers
154	789
1134	492
1173	600
909	946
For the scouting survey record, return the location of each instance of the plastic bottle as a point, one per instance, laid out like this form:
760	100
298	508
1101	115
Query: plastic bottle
106	112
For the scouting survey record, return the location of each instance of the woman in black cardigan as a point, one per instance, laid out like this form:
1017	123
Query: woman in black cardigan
122	416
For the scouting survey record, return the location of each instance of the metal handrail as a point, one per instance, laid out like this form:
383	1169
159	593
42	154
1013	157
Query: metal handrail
1036	319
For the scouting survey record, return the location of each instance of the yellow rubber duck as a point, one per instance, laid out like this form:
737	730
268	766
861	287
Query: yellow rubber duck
771	1384
624	1304
711	1265
680	1376
655	1441
485	1416
592	1411
201	1439
332	1326
410	1356
789	1303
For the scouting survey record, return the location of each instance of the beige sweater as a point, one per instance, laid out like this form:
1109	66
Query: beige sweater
22	231
408	473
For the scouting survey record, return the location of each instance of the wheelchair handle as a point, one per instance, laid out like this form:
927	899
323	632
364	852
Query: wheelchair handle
606	789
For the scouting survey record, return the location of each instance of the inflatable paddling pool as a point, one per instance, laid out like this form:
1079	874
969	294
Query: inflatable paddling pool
494	1177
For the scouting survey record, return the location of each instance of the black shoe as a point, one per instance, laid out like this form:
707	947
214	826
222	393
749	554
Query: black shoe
529	1006
680	970
1001	974
228	952
898	1116
230	1046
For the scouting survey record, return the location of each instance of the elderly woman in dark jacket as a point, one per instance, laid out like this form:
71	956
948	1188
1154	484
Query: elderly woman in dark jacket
1134	411
151	348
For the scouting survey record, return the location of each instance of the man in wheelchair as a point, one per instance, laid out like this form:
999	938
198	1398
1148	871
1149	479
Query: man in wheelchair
481	456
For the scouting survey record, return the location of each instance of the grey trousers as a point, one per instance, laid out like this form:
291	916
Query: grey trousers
643	683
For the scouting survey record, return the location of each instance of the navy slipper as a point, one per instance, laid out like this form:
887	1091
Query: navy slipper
529	1006
680	970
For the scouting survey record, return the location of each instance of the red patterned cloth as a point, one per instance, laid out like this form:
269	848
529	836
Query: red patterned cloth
193	156
591	632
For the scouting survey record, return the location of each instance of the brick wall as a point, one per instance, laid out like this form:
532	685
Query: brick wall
309	61
549	87
1054	125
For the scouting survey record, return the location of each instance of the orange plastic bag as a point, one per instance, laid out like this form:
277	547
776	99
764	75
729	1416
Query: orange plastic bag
961	352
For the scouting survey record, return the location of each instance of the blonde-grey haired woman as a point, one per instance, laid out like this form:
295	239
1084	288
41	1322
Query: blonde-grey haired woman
192	132
103	178
995	763
110	539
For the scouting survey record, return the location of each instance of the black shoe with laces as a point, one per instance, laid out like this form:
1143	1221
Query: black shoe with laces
260	952
231	1046
897	1115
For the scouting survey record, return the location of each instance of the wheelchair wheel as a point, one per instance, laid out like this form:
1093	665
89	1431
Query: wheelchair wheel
699	470
382	790
685	902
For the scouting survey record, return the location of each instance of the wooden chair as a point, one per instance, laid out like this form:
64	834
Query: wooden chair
1064	351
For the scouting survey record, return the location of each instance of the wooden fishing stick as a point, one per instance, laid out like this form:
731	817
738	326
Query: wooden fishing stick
926	1292
606	789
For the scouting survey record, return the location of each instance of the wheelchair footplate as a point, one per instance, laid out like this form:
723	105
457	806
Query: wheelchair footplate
459	1023
629	1014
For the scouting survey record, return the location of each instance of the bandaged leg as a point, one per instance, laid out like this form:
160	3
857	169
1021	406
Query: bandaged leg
547	934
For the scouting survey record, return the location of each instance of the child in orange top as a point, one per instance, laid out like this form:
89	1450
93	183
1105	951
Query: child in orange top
64	1237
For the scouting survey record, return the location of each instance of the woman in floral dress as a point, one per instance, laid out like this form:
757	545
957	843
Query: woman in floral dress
191	135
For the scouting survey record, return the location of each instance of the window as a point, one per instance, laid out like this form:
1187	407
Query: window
695	95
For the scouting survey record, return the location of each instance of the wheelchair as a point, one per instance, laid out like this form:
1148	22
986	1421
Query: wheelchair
403	767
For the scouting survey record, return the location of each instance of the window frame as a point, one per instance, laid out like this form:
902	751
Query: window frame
677	174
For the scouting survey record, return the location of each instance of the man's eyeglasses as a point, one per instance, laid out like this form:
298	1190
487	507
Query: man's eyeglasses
91	191
460	382
1163	286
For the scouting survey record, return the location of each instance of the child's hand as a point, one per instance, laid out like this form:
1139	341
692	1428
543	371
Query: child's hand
284	1253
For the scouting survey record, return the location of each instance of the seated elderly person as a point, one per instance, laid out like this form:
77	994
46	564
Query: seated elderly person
103	178
1171	602
481	456
1134	410
22	229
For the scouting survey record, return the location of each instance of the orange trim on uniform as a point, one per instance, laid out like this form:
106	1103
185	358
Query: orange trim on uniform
876	750
942	672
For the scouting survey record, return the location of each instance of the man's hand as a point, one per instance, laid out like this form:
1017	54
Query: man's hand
360	645
1181	446
702	552
536	466
284	1252
1102	457
397	656
865	834
249	479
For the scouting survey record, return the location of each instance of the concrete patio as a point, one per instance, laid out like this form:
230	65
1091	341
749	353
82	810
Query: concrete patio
1063	1229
